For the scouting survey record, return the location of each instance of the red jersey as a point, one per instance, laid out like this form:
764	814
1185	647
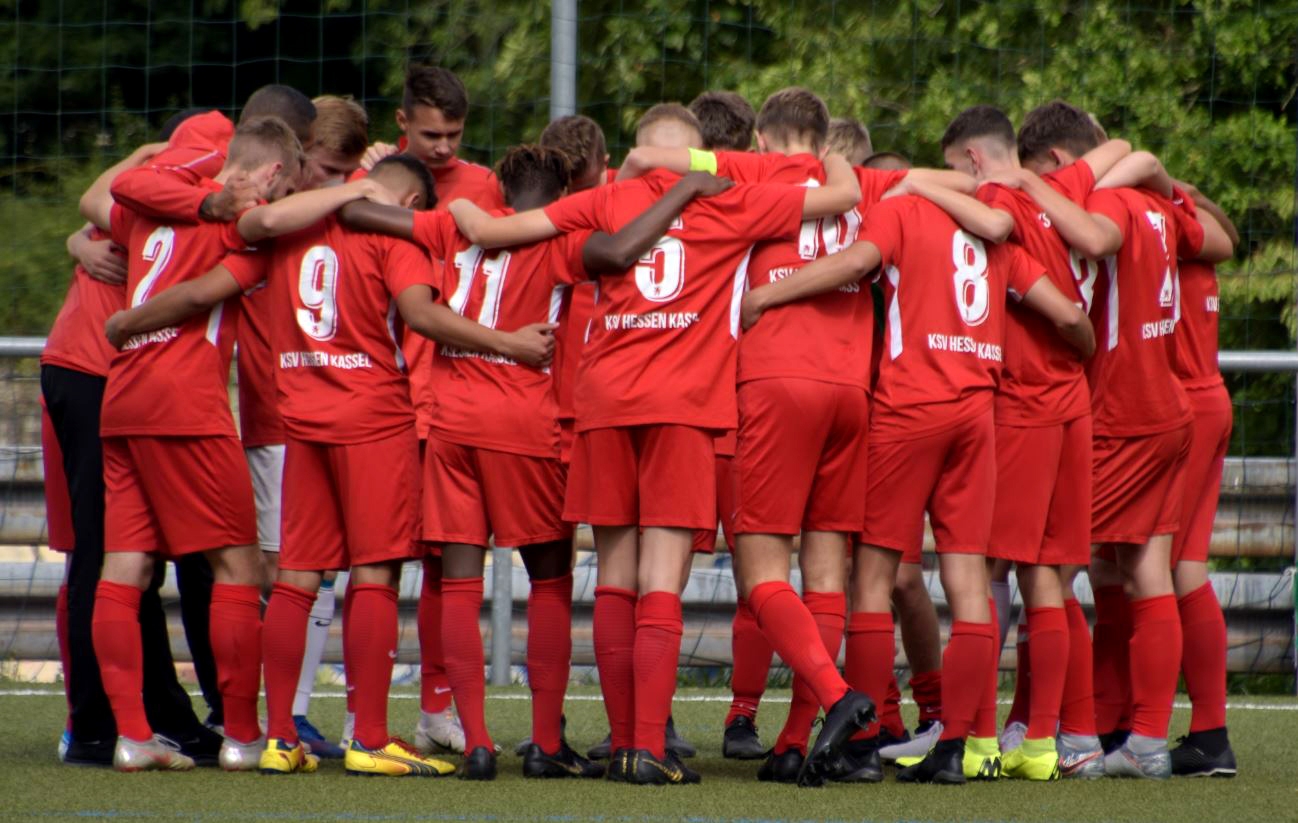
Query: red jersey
1044	379
575	320
76	339
945	330
172	381
334	327
167	187
1134	390
485	400
665	331
1200	295
259	420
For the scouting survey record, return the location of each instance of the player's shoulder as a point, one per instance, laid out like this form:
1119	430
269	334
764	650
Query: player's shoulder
210	129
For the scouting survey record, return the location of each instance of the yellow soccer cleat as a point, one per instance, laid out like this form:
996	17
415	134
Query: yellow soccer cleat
982	758
282	757
396	758
1033	760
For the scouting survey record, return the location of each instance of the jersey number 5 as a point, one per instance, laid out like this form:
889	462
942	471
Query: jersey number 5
660	274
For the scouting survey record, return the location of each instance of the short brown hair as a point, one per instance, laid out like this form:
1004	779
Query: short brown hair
341	125
436	87
849	137
1056	125
534	168
886	161
580	138
794	112
261	140
284	102
979	121
726	120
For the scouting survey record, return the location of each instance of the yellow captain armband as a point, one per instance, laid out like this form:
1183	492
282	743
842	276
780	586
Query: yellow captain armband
701	160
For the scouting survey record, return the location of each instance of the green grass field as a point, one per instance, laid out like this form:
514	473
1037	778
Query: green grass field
33	785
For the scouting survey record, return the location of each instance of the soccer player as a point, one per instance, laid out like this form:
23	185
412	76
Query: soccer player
1141	422
650	437
176	482
850	138
931	432
726	120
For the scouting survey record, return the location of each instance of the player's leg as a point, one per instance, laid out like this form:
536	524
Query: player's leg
922	642
1110	650
438	726
462	566
61	538
194	581
317	637
1036	755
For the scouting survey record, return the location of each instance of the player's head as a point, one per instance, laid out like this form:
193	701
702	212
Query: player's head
340	134
286	103
793	119
726	120
850	138
534	176
433	108
267	151
887	161
408	179
1054	135
980	140
582	140
669	126
174	121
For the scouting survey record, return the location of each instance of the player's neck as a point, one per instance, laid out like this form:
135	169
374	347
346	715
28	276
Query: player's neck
529	200
993	166
227	171
791	148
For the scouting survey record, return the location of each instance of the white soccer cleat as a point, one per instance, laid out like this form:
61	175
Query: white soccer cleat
1143	757
241	757
1012	736
917	746
1080	757
439	730
155	754
65	740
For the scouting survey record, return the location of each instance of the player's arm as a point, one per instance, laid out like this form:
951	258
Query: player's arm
643	159
841	192
1217	245
1091	235
817	277
1103	157
1140	168
972	215
394	221
489	232
946	178
532	345
1070	321
298	211
375	153
608	253
100	258
1203	203
172	306
97	202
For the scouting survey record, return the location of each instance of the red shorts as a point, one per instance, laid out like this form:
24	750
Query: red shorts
801	460
1209	440
58	502
660	475
1043	494
176	495
472	494
349	504
705	540
951	474
1139	486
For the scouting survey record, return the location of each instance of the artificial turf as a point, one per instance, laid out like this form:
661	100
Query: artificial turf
33	785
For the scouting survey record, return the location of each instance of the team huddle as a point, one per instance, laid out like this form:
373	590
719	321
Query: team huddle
757	322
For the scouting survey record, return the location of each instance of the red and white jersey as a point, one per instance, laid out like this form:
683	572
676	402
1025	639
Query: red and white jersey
826	337
334	327
167	187
944	337
76	340
259	420
575	320
172	381
1044	379
483	399
663	345
1134	390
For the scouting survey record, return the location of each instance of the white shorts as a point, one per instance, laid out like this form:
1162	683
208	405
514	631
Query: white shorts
266	463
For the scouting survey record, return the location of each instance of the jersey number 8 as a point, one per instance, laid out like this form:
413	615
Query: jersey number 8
972	293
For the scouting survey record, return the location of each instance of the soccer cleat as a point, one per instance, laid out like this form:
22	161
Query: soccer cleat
439	730
396	758
1192	759
646	770
479	764
315	742
1080	757
982	758
600	751
676	744
858	762
619	764
564	763
241	757
782	767
155	754
944	765
349	730
740	741
198	743
89	752
917	746
1032	760
1140	756
283	757
853	711
1013	735
65	740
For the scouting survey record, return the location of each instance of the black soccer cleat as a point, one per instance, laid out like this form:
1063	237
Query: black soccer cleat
782	767
852	712
564	763
199	743
857	762
646	770
676	744
521	748
619	763
944	764
600	751
741	741
1204	754
479	764
90	752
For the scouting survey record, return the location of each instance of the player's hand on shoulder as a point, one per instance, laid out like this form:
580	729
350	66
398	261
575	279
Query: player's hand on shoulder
113	330
704	184
1010	178
239	195
375	153
533	344
904	186
105	261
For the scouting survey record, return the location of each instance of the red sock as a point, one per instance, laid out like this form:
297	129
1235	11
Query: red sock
434	685
1111	656
348	677
1155	663
658	630
829	609
236	648
614	638
116	636
1020	709
1203	657
751	653
968	657
283	642
890	713
870	653
1048	637
462	644
549	655
1077	708
61	630
984	724
372	648
926	691
793	633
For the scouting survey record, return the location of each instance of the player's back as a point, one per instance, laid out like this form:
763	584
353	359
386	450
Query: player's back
1196	334
76	340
